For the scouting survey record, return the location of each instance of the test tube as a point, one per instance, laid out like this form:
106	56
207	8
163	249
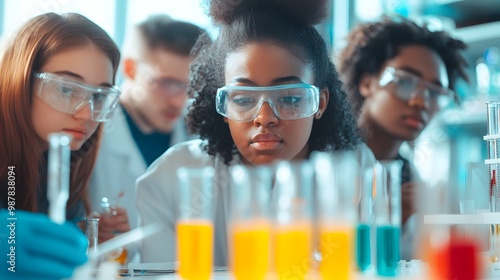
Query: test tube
492	117
195	229
337	182
91	232
120	255
250	226
387	209
364	244
58	175
292	210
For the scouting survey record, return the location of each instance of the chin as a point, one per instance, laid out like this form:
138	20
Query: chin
76	145
409	137
164	128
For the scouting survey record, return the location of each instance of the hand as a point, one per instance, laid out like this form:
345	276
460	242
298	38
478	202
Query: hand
111	224
43	249
407	200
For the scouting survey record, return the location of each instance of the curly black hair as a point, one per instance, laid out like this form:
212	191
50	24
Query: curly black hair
289	24
370	45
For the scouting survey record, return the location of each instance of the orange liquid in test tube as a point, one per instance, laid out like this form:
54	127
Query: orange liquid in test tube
336	246
122	258
292	250
195	249
250	250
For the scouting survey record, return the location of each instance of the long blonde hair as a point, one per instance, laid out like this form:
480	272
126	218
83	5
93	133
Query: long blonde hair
38	40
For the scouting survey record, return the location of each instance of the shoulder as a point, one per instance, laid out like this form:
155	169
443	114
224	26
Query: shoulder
188	153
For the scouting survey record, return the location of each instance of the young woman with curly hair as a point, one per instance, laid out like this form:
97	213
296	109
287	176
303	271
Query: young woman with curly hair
398	75
269	50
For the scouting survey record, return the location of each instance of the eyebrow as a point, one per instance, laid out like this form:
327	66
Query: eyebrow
419	74
279	80
78	77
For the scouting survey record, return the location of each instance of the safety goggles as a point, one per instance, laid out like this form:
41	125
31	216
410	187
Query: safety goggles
69	96
163	85
408	85
288	102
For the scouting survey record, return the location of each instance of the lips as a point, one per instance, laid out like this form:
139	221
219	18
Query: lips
77	133
171	115
266	141
415	122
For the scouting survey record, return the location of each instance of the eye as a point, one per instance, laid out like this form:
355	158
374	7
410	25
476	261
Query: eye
291	100
66	90
406	82
173	85
99	97
242	100
437	91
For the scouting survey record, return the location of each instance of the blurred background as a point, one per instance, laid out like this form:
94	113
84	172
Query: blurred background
454	142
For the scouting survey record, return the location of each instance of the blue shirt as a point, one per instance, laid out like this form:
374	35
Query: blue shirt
151	145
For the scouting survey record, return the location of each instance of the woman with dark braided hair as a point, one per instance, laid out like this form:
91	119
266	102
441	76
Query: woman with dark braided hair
264	90
398	75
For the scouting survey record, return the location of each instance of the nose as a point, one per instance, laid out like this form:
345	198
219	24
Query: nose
266	116
420	98
85	111
178	101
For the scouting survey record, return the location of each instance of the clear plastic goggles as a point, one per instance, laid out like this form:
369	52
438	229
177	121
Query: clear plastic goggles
166	86
69	96
288	102
406	85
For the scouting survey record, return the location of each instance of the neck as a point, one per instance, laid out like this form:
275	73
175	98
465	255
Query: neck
383	145
130	105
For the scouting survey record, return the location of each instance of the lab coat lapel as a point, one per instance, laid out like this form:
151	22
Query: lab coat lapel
124	145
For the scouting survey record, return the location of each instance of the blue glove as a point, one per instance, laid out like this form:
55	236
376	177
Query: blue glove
36	248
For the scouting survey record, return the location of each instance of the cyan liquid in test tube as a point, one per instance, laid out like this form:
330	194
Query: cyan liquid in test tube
387	212
365	221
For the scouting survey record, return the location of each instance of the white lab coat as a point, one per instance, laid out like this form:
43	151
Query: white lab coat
120	163
158	198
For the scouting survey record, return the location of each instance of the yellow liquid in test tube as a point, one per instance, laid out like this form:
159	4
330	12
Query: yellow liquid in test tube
337	248
292	250
195	249
251	242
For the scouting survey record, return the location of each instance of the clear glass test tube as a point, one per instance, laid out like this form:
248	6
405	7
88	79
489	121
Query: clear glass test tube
250	226
58	175
365	244
292	212
493	117
387	210
337	182
92	234
195	230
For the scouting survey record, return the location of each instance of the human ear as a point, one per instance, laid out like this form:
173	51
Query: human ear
324	95
364	86
130	68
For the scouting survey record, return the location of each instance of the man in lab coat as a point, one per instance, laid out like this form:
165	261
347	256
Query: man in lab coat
149	119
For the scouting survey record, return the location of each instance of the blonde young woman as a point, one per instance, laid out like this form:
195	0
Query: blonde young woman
58	73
